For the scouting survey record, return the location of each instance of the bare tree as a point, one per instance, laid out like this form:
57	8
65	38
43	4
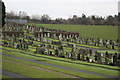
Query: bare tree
35	17
22	14
11	14
45	18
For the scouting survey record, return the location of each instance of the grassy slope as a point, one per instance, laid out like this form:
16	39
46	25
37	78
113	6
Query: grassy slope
70	65
38	55
4	77
74	73
69	49
105	32
29	72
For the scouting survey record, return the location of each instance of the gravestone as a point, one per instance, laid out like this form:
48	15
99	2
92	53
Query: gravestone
113	44
17	46
78	56
36	49
87	58
13	44
48	34
24	46
50	52
27	46
96	56
62	54
67	54
33	30
106	58
83	54
56	53
115	59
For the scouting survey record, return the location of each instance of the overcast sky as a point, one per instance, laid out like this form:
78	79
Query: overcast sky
64	8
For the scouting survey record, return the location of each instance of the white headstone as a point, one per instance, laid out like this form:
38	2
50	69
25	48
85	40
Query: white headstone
73	45
48	34
90	60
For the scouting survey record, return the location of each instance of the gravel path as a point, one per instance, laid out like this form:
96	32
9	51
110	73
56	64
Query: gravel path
12	75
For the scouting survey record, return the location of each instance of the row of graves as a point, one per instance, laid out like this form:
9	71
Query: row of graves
12	30
17	29
55	48
13	27
73	37
51	33
15	43
79	54
75	54
11	34
17	39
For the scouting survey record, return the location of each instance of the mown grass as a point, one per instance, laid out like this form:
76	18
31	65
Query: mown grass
110	52
57	58
69	65
29	72
74	73
4	77
86	31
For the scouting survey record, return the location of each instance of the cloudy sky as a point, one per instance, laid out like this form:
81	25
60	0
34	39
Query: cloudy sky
64	8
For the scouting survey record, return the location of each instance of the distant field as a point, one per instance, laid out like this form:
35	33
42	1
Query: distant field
105	32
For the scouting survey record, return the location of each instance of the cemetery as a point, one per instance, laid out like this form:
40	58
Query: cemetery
58	53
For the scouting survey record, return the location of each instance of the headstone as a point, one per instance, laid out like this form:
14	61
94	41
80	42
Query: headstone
17	46
13	43
96	56
78	56
56	53
50	52
27	46
36	49
106	58
24	46
67	54
87	58
115	59
48	34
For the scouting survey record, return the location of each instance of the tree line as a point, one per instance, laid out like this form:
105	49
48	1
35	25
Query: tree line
83	20
3	12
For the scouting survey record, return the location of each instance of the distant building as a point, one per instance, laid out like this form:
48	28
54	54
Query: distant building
22	21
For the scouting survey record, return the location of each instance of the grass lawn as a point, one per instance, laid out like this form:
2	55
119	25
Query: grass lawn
105	32
4	76
69	65
112	52
30	72
74	73
57	58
